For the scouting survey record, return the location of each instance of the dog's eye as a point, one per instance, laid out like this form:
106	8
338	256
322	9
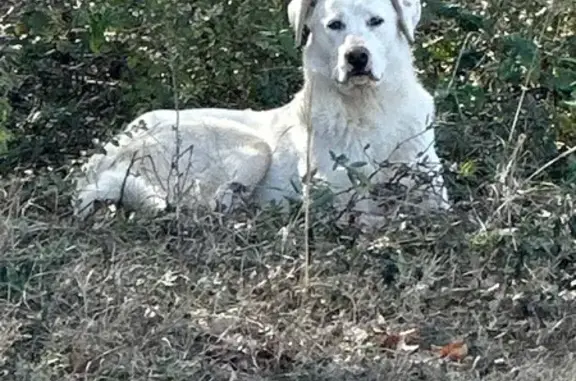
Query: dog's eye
336	25
375	21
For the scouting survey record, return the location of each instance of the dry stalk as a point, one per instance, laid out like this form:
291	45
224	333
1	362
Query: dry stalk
457	64
178	140
548	164
547	23
309	132
505	176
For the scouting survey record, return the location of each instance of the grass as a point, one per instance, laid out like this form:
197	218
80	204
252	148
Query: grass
127	299
203	297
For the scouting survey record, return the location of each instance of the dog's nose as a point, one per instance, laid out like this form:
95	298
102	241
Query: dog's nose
358	58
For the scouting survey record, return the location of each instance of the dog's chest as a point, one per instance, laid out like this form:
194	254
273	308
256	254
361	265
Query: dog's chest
359	141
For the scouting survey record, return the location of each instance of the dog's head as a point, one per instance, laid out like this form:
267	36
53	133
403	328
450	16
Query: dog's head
352	41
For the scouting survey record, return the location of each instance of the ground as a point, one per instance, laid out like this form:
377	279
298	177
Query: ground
486	290
214	298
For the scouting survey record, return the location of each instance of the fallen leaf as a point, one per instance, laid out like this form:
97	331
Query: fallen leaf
399	341
390	341
454	351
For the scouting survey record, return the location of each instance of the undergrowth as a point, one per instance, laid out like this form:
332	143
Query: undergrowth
208	297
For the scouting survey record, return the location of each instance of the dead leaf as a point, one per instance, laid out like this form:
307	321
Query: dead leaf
455	351
390	341
399	341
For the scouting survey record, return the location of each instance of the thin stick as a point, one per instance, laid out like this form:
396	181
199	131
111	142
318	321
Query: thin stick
309	131
176	164
460	54
531	69
125	179
548	164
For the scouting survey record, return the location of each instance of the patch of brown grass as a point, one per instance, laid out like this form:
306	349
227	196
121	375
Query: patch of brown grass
127	299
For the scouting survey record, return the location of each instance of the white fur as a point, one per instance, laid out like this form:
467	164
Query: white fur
266	150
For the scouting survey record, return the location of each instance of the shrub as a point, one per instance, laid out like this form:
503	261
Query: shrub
74	75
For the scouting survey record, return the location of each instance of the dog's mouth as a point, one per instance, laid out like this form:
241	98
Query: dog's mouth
361	73
360	77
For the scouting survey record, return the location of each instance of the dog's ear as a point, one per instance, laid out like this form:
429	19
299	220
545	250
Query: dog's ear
298	11
409	12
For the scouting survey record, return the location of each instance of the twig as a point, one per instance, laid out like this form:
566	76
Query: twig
309	132
460	54
548	164
123	187
513	159
178	140
529	74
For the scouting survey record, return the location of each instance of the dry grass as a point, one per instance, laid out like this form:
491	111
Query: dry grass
129	300
207	298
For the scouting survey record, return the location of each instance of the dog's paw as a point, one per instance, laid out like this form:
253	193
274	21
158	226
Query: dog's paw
83	208
437	200
155	204
229	196
366	223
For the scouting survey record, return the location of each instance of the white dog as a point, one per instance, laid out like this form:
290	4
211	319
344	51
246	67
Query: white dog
361	98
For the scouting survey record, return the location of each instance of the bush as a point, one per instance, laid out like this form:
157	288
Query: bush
74	75
79	73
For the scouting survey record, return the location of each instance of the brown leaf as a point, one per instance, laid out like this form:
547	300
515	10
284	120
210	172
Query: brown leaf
454	351
399	341
390	341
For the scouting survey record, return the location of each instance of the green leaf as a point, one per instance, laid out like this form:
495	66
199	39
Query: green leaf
37	22
567	59
98	25
520	48
470	22
5	135
322	196
520	55
467	168
564	79
358	164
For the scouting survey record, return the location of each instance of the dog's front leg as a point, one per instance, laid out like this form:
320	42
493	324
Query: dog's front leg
247	165
435	194
364	213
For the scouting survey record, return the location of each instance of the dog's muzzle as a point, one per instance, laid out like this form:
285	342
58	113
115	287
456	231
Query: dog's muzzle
359	65
358	59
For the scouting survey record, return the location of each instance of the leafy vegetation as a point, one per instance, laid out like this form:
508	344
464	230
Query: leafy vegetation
207	298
